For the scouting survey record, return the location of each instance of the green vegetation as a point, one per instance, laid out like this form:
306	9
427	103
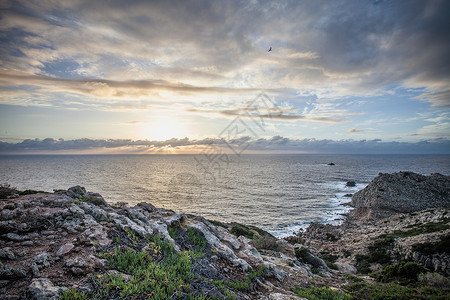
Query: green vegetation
424	228
393	291
330	260
72	294
267	242
315	271
404	273
238	230
301	253
217	223
30	192
241	285
7	191
172	232
157	272
92	199
332	237
442	246
378	253
320	293
196	237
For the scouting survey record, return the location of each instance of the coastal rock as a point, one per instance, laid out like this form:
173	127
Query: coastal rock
65	249
6	253
350	184
402	192
43	289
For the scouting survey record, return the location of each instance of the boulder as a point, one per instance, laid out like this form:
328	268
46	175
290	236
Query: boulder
43	289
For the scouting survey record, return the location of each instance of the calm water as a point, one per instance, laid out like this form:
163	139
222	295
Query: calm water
280	193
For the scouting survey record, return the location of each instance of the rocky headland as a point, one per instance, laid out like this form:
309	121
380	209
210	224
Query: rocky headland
72	244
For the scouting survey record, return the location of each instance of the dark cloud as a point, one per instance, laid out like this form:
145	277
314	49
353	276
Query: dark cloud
276	114
110	88
274	144
354	130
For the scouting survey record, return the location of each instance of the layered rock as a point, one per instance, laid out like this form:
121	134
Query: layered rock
54	242
402	192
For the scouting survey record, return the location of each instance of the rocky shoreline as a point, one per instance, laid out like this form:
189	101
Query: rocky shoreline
72	244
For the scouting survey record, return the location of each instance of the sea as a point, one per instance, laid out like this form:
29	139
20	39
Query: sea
282	194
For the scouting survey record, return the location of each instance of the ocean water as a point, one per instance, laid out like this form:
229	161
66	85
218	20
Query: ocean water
280	193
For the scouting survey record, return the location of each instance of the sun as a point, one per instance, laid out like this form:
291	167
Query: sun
163	128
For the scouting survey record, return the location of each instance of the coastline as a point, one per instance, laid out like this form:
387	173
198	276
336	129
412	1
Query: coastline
73	242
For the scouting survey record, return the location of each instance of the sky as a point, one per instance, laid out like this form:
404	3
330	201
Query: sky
193	76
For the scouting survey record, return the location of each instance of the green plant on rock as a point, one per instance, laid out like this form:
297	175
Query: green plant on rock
320	293
172	232
393	291
442	246
72	294
197	238
301	253
6	190
151	278
238	230
404	273
267	242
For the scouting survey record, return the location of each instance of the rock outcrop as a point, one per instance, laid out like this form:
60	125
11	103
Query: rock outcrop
402	192
52	243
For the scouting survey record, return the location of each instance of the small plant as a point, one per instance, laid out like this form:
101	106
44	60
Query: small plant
238	230
319	293
72	294
6	191
196	237
92	199
172	232
315	271
119	205
301	253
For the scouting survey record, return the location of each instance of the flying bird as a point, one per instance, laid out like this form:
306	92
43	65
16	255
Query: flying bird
270	49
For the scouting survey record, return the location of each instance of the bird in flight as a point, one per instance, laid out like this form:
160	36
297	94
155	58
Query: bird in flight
270	49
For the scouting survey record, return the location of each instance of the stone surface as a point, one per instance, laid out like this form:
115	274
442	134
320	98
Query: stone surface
43	289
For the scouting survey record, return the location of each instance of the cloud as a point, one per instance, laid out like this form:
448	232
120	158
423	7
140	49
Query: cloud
354	130
276	114
109	88
275	144
344	48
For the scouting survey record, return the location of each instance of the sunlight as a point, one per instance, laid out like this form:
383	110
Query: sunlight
163	128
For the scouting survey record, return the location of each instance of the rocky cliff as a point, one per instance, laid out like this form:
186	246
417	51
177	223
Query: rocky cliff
402	192
72	244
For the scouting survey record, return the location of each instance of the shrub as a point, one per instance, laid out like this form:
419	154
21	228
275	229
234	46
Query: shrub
434	279
301	253
267	242
442	246
7	191
405	272
316	293
72	294
238	230
30	192
393	291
